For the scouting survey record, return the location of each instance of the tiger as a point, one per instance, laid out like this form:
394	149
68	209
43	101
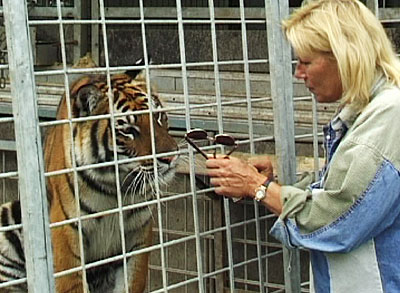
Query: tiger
96	187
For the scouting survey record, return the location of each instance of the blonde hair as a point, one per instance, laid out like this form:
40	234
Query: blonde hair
349	32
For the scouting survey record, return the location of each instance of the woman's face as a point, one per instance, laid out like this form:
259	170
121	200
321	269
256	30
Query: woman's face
321	76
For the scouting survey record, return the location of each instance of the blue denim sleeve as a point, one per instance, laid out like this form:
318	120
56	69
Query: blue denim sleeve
373	212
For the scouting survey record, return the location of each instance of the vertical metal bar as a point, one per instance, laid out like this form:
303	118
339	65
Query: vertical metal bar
215	61
229	245
164	258
3	181
210	248
281	93
75	180
192	169
373	5
218	246
226	201
94	32
220	129
246	74
282	97
251	137
113	135
185	212
78	33
37	242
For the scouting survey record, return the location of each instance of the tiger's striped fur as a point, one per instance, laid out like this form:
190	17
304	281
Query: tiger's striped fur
12	259
97	188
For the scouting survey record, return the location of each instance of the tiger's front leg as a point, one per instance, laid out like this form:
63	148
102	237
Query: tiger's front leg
138	265
139	271
66	256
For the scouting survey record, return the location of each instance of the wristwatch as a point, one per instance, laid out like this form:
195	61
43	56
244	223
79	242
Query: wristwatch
261	191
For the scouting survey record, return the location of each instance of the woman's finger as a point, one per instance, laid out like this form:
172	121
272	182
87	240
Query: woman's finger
219	181
214	163
214	181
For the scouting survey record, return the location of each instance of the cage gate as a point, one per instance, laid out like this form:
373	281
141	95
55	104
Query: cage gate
116	201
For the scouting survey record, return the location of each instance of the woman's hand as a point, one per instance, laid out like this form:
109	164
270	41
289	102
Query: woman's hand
263	165
234	177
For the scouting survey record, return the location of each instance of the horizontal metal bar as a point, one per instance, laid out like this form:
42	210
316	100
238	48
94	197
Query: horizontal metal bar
6	119
177	285
8	175
187	12
13	283
138	22
7	145
152	66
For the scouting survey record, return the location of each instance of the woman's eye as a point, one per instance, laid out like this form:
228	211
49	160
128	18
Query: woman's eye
302	62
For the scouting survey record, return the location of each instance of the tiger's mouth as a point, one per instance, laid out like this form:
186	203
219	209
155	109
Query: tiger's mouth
162	166
147	168
141	179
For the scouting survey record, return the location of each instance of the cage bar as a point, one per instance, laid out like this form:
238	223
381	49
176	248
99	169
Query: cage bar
281	75
39	264
222	246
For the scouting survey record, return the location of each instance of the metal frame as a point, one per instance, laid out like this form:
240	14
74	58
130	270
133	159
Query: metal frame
37	243
282	96
208	230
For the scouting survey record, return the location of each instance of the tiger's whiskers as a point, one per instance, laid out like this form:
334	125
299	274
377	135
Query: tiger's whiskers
143	181
182	144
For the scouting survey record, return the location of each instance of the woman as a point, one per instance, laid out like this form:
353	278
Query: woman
350	219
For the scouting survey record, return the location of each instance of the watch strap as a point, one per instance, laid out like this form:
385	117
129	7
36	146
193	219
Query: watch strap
267	183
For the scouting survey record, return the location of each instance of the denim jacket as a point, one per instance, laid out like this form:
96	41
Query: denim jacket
350	219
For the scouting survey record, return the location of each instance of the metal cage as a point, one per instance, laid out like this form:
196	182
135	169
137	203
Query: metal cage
222	66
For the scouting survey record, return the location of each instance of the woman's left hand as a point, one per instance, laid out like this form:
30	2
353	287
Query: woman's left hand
233	177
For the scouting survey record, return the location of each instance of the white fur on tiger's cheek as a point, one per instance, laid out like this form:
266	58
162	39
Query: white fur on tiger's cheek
132	119
79	154
159	120
129	135
160	115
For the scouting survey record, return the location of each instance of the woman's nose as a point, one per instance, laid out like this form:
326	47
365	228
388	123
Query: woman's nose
299	71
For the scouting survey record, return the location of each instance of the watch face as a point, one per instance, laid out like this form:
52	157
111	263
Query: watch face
260	194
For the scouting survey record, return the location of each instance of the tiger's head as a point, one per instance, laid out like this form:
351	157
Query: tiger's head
132	127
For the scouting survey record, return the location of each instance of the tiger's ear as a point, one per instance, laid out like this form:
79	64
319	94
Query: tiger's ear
86	100
138	73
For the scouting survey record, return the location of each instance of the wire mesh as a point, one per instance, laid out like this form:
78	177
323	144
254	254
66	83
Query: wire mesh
209	61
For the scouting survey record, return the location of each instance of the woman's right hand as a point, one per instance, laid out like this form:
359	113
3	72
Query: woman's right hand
263	164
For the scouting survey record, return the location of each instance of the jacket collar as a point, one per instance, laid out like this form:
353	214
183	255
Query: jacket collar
347	114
